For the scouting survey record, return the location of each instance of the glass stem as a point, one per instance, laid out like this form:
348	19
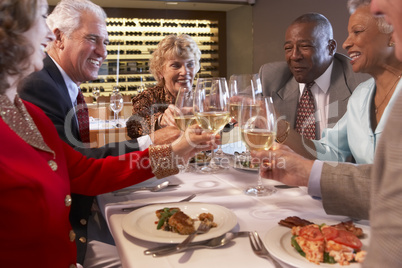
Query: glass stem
219	152
212	162
259	180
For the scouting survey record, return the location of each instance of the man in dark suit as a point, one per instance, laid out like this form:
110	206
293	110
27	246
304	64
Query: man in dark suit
73	58
310	53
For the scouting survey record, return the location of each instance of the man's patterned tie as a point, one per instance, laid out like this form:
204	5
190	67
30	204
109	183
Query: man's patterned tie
305	120
81	110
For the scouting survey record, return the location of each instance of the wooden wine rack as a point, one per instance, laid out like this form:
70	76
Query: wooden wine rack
132	42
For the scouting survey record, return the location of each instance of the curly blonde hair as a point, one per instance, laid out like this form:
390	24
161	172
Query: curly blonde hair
16	17
173	46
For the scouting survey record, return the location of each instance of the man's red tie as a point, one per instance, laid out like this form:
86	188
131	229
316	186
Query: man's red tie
81	110
305	120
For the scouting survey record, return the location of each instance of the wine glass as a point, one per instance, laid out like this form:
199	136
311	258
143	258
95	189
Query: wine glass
258	131
242	86
183	114
211	109
116	105
96	93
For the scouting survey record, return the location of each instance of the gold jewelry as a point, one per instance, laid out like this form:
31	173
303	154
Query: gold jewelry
376	107
162	161
281	139
391	44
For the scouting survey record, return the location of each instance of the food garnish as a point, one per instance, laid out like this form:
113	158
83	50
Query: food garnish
345	225
245	161
175	220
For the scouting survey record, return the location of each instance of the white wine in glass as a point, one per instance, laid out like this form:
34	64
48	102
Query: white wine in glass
258	132
183	113
184	121
184	116
242	86
258	139
211	109
213	121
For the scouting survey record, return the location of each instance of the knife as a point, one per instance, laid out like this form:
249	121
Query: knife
149	188
211	243
188	198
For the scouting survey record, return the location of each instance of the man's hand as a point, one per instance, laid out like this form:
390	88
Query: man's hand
165	135
284	165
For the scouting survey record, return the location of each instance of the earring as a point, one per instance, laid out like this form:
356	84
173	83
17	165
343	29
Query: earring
391	44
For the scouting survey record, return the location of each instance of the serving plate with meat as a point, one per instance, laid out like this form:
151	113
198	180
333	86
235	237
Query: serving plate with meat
142	223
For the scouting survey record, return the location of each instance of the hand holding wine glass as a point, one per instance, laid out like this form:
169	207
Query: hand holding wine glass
211	109
258	132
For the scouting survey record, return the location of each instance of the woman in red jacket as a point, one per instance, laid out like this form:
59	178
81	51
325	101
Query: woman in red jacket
37	170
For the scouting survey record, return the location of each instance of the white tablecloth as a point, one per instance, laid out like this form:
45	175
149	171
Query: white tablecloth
225	189
97	124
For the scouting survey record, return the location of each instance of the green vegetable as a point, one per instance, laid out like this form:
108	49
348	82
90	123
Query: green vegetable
165	215
297	247
328	259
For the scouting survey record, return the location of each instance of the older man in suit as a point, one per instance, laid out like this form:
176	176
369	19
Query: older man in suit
311	59
73	58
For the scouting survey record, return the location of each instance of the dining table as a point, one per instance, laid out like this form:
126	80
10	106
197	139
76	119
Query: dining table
224	189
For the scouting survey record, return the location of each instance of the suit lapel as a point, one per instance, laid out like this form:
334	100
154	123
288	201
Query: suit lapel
56	76
288	98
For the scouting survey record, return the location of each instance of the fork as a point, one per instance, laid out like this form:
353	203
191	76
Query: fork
259	248
202	229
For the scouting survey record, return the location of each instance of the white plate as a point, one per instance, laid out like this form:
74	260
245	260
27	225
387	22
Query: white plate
278	244
141	223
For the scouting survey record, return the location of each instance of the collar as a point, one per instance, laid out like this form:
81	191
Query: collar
169	96
323	82
16	116
71	86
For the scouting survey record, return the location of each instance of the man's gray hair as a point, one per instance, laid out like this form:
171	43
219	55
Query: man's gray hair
383	25
66	16
322	23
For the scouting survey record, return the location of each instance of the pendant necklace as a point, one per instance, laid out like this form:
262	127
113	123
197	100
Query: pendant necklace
382	102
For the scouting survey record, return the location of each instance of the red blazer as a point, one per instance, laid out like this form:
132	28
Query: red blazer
34	225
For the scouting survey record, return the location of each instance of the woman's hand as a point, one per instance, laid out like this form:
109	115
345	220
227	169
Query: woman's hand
165	135
167	118
194	140
284	165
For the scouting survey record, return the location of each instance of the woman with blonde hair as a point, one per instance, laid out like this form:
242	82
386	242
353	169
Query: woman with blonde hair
173	64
